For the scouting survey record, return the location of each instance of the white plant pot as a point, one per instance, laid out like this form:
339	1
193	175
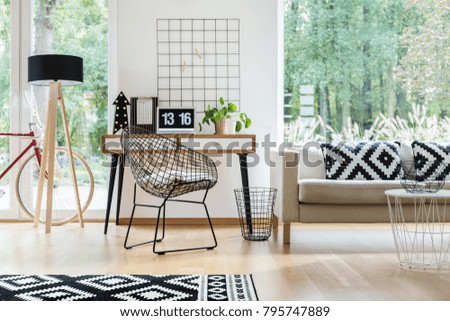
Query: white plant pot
221	127
231	126
226	126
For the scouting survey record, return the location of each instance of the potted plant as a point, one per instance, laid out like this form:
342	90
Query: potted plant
222	116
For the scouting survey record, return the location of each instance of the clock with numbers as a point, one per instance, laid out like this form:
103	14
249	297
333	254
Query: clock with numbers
175	120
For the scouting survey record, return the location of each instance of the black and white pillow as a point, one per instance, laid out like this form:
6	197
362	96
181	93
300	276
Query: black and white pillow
362	161
431	160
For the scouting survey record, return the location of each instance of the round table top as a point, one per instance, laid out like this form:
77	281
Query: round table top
404	194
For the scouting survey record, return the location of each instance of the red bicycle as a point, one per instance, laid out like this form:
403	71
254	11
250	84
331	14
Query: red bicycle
64	206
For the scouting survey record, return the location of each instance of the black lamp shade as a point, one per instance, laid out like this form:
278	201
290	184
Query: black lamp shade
42	69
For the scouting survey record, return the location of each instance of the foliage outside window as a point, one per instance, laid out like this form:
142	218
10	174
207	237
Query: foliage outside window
380	69
77	28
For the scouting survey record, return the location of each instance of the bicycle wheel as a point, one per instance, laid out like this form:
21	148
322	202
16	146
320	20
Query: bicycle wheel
64	205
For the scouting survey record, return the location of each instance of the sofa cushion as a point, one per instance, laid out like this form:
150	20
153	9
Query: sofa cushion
325	191
362	161
431	160
311	163
406	153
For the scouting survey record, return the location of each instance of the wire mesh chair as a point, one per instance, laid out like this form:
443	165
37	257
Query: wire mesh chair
166	169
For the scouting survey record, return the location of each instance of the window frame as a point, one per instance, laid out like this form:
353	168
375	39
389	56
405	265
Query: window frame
21	13
16	8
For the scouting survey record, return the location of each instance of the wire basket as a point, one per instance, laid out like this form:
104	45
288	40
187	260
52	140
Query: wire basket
422	177
255	208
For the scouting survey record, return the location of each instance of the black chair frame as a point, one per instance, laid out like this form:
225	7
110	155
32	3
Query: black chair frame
162	208
166	169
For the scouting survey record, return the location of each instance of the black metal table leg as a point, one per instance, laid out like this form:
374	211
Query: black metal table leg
112	177
119	187
245	185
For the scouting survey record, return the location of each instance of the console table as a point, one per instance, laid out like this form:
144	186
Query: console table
240	144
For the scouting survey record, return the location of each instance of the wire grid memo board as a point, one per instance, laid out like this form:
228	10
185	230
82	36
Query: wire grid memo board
198	62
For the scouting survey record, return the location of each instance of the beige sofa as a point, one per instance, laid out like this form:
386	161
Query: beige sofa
304	195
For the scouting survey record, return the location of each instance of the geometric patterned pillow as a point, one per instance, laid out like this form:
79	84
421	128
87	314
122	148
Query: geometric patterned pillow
431	160
362	161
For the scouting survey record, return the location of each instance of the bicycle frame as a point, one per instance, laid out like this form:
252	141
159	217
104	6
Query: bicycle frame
33	144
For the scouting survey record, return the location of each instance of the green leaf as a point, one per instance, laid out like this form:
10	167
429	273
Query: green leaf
209	113
222	102
200	125
224	111
248	123
243	116
232	107
218	116
238	126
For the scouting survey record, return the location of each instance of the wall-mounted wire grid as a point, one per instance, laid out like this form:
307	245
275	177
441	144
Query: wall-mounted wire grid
198	62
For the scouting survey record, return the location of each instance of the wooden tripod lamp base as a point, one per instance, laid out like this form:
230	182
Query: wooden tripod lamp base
54	71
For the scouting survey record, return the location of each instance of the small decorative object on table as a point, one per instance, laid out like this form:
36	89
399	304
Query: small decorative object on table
121	113
221	118
422	177
175	120
143	112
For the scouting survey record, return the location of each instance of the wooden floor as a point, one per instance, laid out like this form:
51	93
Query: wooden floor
323	262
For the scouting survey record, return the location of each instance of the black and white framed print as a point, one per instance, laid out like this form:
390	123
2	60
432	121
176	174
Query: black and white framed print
142	112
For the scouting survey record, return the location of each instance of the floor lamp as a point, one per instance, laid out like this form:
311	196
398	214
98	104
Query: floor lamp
54	71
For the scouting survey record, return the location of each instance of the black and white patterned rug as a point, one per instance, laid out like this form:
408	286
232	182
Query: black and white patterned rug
238	287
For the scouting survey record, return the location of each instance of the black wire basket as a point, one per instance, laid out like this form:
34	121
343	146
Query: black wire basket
255	208
423	177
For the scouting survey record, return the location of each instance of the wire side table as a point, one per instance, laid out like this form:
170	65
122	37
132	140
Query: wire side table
425	242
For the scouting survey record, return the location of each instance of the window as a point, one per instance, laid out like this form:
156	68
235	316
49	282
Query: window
78	28
54	26
5	98
365	69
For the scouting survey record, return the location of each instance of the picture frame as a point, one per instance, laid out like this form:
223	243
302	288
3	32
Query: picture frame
143	112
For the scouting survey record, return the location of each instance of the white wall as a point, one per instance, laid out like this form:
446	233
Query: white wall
134	62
